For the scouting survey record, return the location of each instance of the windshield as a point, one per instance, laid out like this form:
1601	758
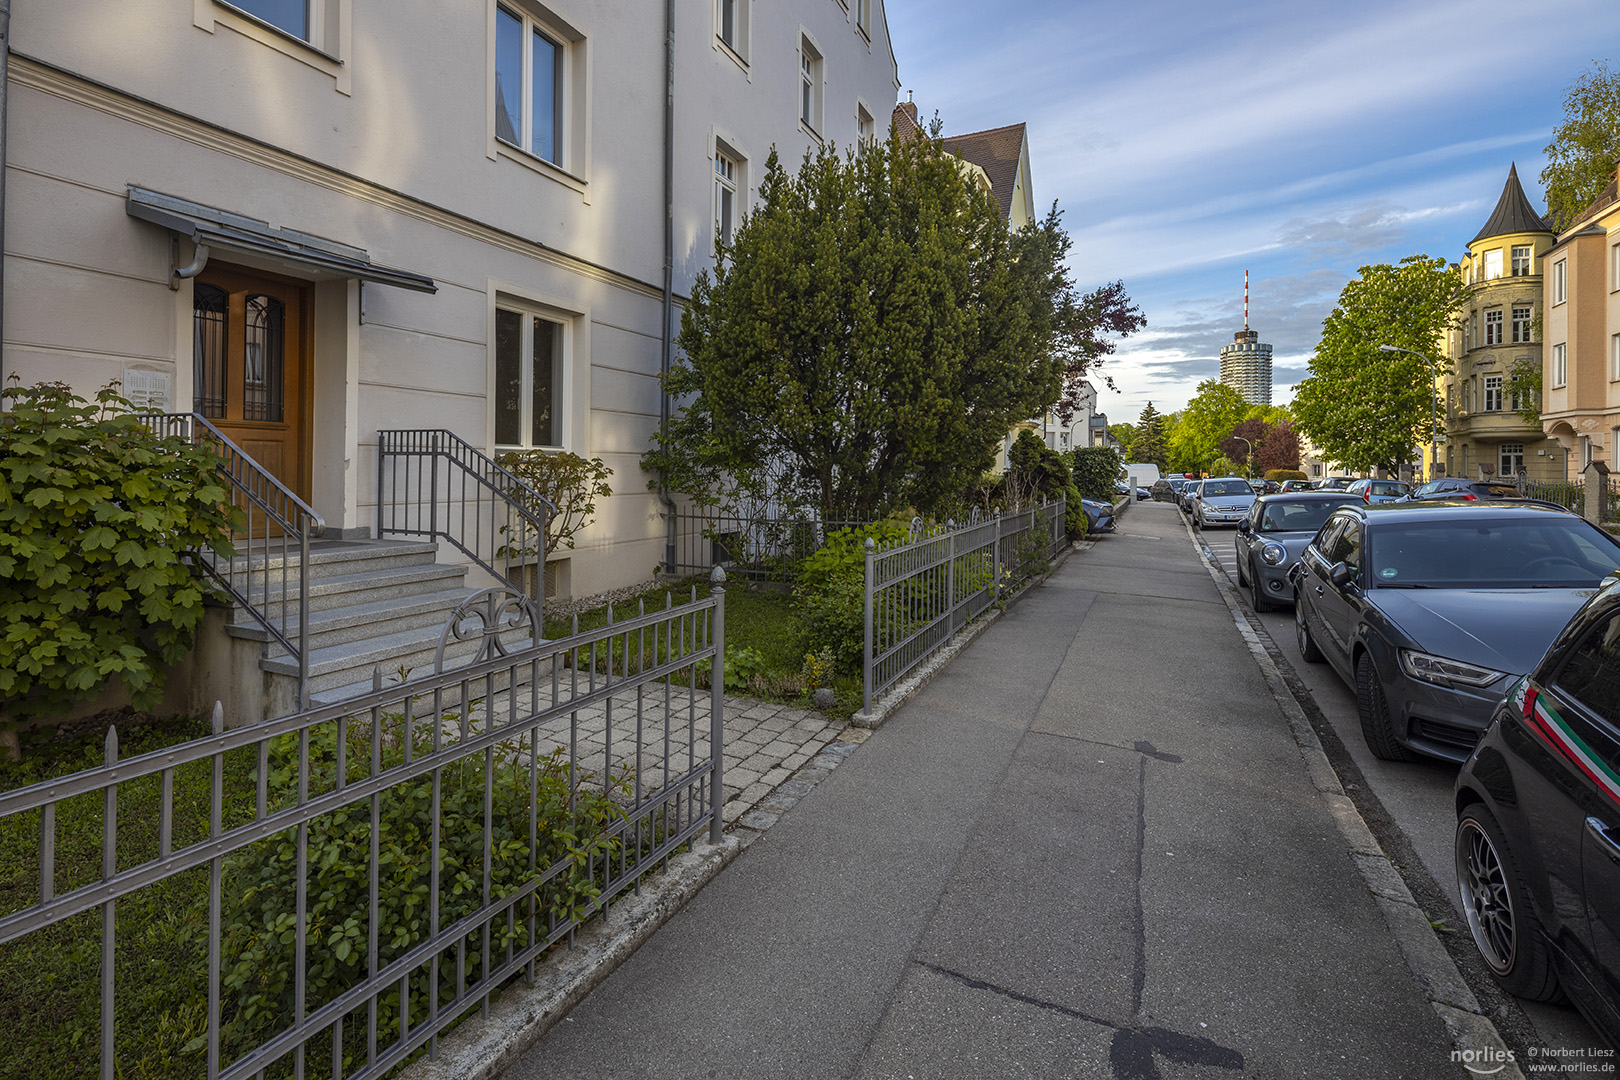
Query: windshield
1554	551
1226	487
1299	516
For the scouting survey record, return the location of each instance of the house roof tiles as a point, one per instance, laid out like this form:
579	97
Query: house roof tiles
996	151
1513	213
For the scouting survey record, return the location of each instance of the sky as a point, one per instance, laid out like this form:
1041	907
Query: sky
1187	141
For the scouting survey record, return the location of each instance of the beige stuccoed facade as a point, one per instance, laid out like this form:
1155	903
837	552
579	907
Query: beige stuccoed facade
383	211
1502	273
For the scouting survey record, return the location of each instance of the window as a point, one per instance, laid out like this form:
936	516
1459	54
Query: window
1493	264
528	379
725	195
1510	457
209	328
809	85
1558	364
1474	327
1614	266
863	17
1521	260
529	80
1560	281
1521	324
262	359
1493	327
289	16
1493	393
865	126
731	25
1614	358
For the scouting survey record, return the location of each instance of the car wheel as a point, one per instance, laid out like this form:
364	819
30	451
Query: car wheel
1376	725
1257	594
1506	931
1243	578
1307	644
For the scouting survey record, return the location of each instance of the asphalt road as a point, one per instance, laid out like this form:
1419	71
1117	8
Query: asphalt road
1416	796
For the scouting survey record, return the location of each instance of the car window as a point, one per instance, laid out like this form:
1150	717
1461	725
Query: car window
1347	545
1329	536
1548	551
1591	675
1302	516
1226	487
1389	487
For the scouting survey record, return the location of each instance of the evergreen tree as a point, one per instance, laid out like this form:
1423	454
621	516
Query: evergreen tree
1149	446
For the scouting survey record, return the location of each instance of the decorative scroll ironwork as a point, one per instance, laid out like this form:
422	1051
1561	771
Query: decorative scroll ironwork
501	619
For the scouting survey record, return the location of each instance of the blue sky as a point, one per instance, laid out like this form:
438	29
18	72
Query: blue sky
1188	141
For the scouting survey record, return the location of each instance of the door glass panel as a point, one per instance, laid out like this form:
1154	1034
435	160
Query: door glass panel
210	319
263	360
508	378
545	384
1592	675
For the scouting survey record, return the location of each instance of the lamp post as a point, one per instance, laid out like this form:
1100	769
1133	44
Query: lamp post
1248	454
1434	402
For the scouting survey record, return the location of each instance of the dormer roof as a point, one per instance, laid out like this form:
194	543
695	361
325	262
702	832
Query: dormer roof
999	153
1513	213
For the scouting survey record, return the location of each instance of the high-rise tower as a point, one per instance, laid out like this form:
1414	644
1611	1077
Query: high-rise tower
1246	363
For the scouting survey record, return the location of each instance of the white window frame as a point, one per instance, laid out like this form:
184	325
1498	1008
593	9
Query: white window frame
1521	327
327	48
1560	364
1509	458
1614	358
1493	326
812	84
571	361
1614	268
572	166
1493	393
865	124
863	18
1523	256
727	183
1493	264
1560	282
737	45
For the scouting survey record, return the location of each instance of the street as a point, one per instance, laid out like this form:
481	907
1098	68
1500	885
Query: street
1416	798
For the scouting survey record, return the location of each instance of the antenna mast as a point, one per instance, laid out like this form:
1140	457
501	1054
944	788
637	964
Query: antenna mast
1245	300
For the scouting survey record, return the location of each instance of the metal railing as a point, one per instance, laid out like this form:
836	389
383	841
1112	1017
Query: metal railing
1566	493
758	547
266	577
377	869
920	593
434	484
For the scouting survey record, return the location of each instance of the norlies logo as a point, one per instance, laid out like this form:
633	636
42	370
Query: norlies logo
1484	1062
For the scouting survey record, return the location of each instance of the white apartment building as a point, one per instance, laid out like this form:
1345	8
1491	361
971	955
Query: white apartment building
309	220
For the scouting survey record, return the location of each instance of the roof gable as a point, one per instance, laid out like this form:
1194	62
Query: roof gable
1513	213
1000	152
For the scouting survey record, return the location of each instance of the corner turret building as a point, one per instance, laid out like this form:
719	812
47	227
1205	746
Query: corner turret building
1246	367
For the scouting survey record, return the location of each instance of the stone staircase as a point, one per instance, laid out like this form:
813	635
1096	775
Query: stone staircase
373	604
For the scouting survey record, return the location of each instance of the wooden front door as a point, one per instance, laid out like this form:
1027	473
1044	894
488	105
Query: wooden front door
251	353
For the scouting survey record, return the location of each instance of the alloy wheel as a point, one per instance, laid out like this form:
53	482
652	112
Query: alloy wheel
1486	896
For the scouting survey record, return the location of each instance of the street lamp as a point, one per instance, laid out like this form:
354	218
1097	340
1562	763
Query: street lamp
1434	402
1248	455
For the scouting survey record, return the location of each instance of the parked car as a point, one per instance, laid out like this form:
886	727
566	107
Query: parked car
1222	500
1270	540
1123	490
1460	487
1538	824
1334	483
1165	490
1379	491
1099	515
1430	610
1265	487
1297	485
1188	494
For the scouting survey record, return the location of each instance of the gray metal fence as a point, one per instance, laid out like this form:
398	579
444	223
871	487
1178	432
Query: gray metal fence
921	592
759	547
1569	494
375	870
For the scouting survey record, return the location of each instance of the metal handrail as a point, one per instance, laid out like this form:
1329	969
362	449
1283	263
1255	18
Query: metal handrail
259	581
456	493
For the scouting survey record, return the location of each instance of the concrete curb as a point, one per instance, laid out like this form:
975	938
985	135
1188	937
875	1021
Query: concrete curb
1443	984
908	687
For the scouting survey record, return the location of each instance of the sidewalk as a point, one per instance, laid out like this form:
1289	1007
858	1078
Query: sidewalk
1089	848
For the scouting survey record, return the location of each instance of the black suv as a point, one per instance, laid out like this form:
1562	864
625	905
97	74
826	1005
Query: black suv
1538	823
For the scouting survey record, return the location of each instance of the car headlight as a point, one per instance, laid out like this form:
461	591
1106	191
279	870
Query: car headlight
1444	672
1274	554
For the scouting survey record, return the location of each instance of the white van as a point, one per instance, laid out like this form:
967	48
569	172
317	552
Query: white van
1146	473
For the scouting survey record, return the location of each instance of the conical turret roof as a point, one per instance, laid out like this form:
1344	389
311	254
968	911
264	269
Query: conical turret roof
1513	213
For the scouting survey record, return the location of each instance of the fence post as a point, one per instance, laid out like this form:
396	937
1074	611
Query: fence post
950	579
1596	478
866	667
717	706
995	582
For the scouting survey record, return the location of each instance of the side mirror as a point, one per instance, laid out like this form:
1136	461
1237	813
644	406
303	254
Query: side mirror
1341	575
1244	527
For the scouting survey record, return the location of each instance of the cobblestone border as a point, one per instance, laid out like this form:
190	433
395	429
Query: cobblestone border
1437	973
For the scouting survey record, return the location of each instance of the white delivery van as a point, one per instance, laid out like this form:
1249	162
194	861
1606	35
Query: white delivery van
1146	473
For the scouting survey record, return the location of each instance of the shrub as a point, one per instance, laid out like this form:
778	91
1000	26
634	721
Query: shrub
832	590
572	483
1075	522
1096	468
1279	475
1037	466
98	516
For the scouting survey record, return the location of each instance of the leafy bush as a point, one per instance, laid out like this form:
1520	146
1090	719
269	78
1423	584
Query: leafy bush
1075	522
259	945
743	667
97	516
1279	475
832	590
572	483
1095	470
1040	469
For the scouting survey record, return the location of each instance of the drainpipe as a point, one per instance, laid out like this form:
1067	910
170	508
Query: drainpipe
5	75
669	271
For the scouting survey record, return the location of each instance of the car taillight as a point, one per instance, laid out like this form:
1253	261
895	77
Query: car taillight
1366	496
1469	496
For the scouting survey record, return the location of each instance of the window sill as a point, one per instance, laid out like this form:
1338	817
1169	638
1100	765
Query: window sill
736	57
540	165
810	131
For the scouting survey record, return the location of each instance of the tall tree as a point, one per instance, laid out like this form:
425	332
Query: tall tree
1585	146
1281	449
1208	418
1247	441
1126	434
1149	445
1364	407
868	337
